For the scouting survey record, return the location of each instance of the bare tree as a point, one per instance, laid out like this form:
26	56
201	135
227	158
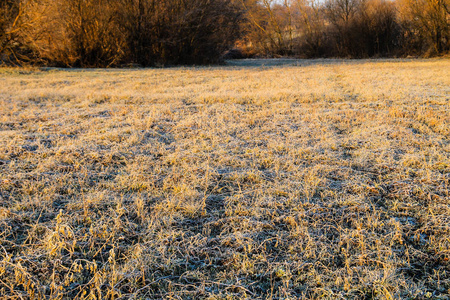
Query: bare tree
312	27
341	14
11	24
270	25
429	20
74	32
92	33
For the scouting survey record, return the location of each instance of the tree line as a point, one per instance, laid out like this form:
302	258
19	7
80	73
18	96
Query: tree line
103	33
349	28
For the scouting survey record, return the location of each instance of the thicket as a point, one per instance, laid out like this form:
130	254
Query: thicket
92	33
101	33
347	28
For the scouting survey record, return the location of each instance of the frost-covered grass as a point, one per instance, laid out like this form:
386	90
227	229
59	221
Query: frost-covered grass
299	179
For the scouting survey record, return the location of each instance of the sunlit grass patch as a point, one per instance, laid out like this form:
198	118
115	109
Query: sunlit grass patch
315	179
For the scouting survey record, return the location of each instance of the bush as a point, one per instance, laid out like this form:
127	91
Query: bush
101	33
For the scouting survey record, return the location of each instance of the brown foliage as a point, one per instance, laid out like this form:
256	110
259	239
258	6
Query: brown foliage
80	33
174	32
427	24
349	28
11	25
101	33
363	28
91	33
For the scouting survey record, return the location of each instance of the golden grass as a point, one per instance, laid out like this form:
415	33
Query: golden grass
316	179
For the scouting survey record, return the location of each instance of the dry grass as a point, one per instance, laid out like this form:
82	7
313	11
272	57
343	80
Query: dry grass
317	179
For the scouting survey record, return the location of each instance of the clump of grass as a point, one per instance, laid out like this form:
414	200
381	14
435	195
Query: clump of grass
314	180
